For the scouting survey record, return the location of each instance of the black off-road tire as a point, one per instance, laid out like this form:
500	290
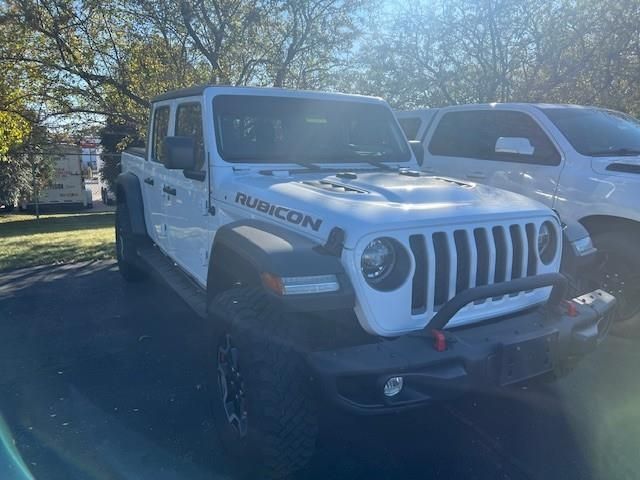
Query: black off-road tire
619	255
282	417
126	247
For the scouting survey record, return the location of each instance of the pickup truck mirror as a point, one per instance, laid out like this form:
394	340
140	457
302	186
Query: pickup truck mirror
418	150
180	153
515	145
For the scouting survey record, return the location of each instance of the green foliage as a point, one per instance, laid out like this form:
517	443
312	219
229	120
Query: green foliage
40	169
103	61
112	57
14	173
440	52
13	131
13	179
115	136
13	176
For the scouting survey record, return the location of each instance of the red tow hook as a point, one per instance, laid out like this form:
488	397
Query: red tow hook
572	308
439	340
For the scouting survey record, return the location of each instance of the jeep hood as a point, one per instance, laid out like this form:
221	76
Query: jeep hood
369	202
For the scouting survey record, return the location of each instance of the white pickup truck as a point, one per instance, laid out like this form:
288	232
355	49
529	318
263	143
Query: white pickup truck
331	271
584	162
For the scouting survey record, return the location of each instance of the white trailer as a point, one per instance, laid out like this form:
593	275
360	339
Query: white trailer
67	187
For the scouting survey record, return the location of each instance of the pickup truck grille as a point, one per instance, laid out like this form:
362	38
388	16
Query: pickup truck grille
448	262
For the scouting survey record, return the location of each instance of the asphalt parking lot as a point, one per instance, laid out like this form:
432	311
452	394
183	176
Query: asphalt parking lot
104	380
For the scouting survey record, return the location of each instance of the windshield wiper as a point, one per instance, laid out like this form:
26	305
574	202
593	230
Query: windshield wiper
365	157
380	165
308	165
626	152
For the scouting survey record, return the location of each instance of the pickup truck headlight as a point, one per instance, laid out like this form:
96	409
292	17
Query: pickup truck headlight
547	242
385	264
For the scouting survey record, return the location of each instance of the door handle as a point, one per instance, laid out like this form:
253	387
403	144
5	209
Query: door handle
477	175
149	181
169	190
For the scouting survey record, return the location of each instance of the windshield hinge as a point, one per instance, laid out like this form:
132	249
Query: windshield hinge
335	243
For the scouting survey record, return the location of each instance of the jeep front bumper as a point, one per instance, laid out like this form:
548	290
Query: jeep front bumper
543	341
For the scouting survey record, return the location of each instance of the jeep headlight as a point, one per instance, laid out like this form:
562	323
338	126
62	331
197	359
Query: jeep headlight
384	263
547	242
378	260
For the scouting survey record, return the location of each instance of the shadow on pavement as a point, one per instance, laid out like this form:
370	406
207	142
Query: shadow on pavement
103	379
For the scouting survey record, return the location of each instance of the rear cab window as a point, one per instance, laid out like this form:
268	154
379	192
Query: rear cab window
160	130
473	134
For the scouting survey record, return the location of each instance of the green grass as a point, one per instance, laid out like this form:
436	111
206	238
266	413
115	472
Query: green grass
55	238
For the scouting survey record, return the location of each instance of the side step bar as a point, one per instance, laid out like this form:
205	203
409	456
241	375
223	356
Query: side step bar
168	272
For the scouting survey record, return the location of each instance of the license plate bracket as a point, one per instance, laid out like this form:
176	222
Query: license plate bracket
528	358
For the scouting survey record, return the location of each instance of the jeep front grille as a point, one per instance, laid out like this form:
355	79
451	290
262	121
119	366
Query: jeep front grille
448	262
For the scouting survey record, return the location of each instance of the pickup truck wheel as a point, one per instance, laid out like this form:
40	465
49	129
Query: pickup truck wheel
618	272
263	409
126	247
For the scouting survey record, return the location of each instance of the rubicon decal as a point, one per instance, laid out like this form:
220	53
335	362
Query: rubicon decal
281	213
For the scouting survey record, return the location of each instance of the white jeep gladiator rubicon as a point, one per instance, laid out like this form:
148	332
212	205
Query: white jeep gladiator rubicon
332	271
584	162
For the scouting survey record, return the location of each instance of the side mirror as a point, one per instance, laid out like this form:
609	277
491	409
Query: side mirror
180	153
515	145
418	150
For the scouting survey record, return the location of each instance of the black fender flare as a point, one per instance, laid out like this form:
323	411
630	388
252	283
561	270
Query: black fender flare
128	188
248	248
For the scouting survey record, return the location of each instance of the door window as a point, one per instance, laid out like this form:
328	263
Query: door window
189	124
160	131
473	134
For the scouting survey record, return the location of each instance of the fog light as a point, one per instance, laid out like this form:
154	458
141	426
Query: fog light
393	386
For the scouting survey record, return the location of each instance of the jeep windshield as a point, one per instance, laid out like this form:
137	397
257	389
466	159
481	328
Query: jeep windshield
266	129
597	132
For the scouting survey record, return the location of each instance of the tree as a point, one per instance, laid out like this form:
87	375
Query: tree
111	57
465	51
115	136
41	170
13	179
104	61
14	131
